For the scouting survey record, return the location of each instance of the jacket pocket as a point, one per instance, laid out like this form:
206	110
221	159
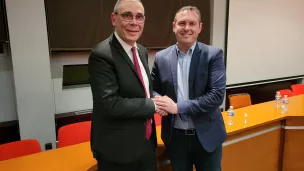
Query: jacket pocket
212	117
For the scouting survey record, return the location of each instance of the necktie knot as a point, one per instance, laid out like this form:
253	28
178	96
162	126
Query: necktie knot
133	49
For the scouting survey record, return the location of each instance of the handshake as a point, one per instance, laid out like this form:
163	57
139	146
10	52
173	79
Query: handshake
164	105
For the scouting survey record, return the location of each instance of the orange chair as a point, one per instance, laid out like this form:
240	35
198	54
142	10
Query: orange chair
239	100
297	89
19	148
157	119
74	133
287	92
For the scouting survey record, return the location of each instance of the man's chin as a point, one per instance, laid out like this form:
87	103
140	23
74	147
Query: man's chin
186	41
133	34
130	41
132	38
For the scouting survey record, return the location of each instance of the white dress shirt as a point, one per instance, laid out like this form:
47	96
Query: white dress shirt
127	49
183	68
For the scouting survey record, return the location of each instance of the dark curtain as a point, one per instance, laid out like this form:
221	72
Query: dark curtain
158	31
106	11
80	25
3	28
74	24
3	25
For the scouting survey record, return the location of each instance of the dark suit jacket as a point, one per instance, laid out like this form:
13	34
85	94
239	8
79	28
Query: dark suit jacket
120	106
207	84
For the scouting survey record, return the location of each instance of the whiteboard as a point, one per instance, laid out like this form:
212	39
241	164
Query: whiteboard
265	40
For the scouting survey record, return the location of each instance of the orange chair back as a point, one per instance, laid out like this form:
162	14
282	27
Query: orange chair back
239	100
297	89
287	92
19	148
157	119
74	133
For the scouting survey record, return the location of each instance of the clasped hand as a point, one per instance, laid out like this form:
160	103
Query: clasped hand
165	105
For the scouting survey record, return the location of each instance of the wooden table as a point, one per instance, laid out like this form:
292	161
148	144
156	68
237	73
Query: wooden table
270	141
73	158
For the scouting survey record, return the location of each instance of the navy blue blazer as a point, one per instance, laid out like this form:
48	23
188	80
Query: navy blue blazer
207	85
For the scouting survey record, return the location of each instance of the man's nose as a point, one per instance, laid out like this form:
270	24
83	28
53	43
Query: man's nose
187	27
133	21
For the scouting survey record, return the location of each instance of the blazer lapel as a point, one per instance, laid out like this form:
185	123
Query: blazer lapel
144	61
125	56
193	67
145	64
122	52
173	68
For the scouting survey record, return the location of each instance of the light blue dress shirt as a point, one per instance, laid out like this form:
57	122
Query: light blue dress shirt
183	68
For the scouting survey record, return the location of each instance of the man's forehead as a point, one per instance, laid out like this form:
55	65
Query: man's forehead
131	6
184	13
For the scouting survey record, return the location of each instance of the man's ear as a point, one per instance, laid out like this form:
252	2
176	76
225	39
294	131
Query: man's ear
200	27
113	19
173	26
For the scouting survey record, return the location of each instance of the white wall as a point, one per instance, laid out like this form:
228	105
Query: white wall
265	40
7	95
75	98
72	99
32	73
218	26
218	23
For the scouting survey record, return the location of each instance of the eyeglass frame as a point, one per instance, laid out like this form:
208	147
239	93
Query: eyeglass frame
129	20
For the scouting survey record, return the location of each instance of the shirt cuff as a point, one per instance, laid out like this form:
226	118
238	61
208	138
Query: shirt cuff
154	105
182	112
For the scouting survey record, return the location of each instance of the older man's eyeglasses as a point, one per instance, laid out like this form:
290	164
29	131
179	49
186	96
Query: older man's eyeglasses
128	16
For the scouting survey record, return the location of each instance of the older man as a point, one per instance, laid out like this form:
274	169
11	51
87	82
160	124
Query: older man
123	132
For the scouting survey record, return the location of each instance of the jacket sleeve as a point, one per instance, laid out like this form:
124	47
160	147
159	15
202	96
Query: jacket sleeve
105	89
156	78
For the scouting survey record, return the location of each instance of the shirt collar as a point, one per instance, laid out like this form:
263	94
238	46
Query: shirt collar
124	45
189	52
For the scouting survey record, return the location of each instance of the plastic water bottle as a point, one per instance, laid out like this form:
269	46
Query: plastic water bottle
230	115
278	99
285	102
245	118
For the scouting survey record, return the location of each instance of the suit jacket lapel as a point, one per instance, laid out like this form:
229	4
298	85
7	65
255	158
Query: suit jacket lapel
173	68
125	56
120	50
145	64
193	67
144	61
